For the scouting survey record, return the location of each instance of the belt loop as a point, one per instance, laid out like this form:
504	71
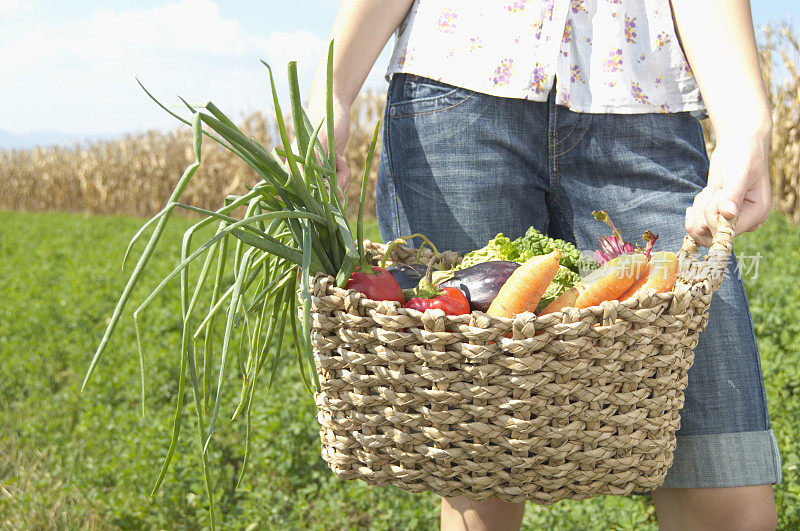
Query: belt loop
551	95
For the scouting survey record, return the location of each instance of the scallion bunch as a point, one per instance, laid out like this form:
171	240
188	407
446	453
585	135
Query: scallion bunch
294	227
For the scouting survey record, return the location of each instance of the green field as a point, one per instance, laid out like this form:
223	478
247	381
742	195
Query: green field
70	460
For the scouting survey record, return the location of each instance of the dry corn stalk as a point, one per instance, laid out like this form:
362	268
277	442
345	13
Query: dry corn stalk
104	177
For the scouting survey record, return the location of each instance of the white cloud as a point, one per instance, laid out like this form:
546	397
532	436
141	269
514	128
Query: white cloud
191	25
78	75
10	7
301	46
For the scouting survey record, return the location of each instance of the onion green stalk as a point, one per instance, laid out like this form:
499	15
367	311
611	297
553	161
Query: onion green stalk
294	227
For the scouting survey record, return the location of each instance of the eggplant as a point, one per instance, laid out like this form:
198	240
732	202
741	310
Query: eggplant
481	282
408	276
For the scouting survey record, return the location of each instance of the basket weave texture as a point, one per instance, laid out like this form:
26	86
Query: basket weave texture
570	405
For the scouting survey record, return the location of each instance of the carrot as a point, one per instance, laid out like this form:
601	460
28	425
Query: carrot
661	274
638	283
564	300
526	285
607	283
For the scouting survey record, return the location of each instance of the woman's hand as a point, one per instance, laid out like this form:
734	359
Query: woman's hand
341	132
720	46
360	31
738	184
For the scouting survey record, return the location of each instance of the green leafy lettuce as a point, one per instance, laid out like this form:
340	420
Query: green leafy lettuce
498	248
534	243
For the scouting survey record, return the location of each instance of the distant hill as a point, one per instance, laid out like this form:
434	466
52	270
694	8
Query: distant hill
10	140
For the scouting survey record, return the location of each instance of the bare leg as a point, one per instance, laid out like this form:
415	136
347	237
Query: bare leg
732	508
464	514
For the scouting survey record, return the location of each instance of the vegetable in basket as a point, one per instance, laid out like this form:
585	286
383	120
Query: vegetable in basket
429	296
534	243
480	283
499	248
378	285
524	288
608	282
565	278
408	276
623	270
661	274
613	246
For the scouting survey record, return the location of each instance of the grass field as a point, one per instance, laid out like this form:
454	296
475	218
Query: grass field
70	460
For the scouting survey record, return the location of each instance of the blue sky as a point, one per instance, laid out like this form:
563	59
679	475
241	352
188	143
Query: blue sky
69	67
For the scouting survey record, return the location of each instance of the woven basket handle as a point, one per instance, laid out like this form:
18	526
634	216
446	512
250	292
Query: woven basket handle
721	246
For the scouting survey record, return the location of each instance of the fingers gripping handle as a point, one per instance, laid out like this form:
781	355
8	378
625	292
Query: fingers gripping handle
721	246
722	242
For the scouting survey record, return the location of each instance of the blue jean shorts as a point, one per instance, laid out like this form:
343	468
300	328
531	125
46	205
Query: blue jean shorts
460	167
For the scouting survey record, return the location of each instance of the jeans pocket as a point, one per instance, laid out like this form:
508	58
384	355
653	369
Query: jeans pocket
414	95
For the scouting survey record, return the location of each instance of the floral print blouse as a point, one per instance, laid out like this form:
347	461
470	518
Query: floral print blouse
614	56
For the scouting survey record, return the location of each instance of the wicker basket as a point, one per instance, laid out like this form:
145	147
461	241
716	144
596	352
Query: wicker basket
572	405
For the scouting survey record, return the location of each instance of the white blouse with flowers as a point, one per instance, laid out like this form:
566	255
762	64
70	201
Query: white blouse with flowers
617	56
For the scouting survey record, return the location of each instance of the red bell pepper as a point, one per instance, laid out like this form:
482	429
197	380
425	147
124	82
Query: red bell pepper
451	300
378	285
374	282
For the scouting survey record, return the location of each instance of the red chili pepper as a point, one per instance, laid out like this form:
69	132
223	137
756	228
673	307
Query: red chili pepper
379	285
451	300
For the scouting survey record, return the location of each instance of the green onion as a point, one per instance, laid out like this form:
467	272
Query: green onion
294	227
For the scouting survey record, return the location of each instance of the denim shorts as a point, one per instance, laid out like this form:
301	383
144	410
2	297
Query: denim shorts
461	166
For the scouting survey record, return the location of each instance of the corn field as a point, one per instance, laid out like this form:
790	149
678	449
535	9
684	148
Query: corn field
134	175
782	48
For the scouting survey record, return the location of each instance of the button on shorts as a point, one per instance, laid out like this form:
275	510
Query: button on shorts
460	167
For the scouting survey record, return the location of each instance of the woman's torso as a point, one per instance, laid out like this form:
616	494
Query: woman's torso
618	56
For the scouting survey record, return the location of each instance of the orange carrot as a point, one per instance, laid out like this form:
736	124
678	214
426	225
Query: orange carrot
564	300
661	274
607	283
638	283
526	285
